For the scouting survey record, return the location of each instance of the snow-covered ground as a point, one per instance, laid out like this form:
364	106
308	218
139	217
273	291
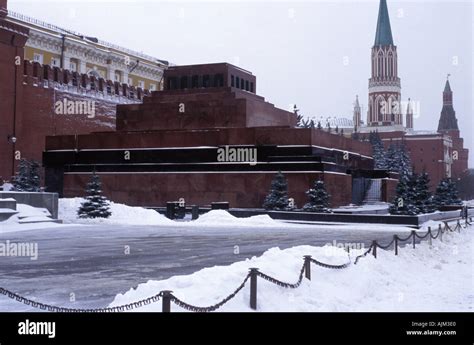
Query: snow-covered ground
121	214
215	219
129	215
439	278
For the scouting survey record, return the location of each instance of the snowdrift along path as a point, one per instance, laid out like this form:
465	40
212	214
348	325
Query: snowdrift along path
439	278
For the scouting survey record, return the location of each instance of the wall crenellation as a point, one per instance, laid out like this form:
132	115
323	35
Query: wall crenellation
83	84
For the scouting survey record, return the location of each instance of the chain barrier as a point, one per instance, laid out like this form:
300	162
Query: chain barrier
280	283
190	307
386	246
337	267
446	226
425	236
214	307
405	239
363	255
440	231
53	308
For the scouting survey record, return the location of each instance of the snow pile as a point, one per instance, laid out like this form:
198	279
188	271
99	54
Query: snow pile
28	218
224	218
6	187
121	214
422	279
469	203
30	213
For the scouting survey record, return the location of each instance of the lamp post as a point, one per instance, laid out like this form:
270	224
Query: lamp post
12	139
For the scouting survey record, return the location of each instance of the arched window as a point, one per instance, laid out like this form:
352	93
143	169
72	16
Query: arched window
390	64
380	108
380	64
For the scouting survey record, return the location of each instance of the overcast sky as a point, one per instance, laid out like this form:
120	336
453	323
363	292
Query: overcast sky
312	53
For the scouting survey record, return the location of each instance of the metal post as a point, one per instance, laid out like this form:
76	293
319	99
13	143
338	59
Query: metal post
374	250
194	212
429	236
170	210
395	245
440	233
166	304
307	267
414	237
253	288
458	226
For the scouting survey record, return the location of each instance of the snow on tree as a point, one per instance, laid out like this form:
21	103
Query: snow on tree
424	201
397	160
278	199
378	151
404	202
27	179
402	162
318	198
34	176
446	194
96	205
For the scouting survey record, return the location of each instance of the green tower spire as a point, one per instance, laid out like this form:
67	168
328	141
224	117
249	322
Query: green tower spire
383	35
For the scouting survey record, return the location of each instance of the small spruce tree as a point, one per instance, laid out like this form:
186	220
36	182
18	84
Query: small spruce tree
278	199
96	205
20	180
404	203
446	194
27	179
378	151
34	176
318	198
424	200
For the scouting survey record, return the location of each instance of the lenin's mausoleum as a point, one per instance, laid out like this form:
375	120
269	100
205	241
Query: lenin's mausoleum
157	131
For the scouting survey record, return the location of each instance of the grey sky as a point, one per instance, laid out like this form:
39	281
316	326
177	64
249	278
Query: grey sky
312	53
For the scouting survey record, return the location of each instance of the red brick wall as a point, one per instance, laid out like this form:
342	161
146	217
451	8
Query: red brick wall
35	114
39	119
12	41
240	189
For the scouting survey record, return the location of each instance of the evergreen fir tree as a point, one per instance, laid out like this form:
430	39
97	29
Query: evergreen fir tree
446	194
27	179
318	198
278	199
378	151
424	200
95	205
319	125
403	161
397	160
21	181
34	176
404	203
